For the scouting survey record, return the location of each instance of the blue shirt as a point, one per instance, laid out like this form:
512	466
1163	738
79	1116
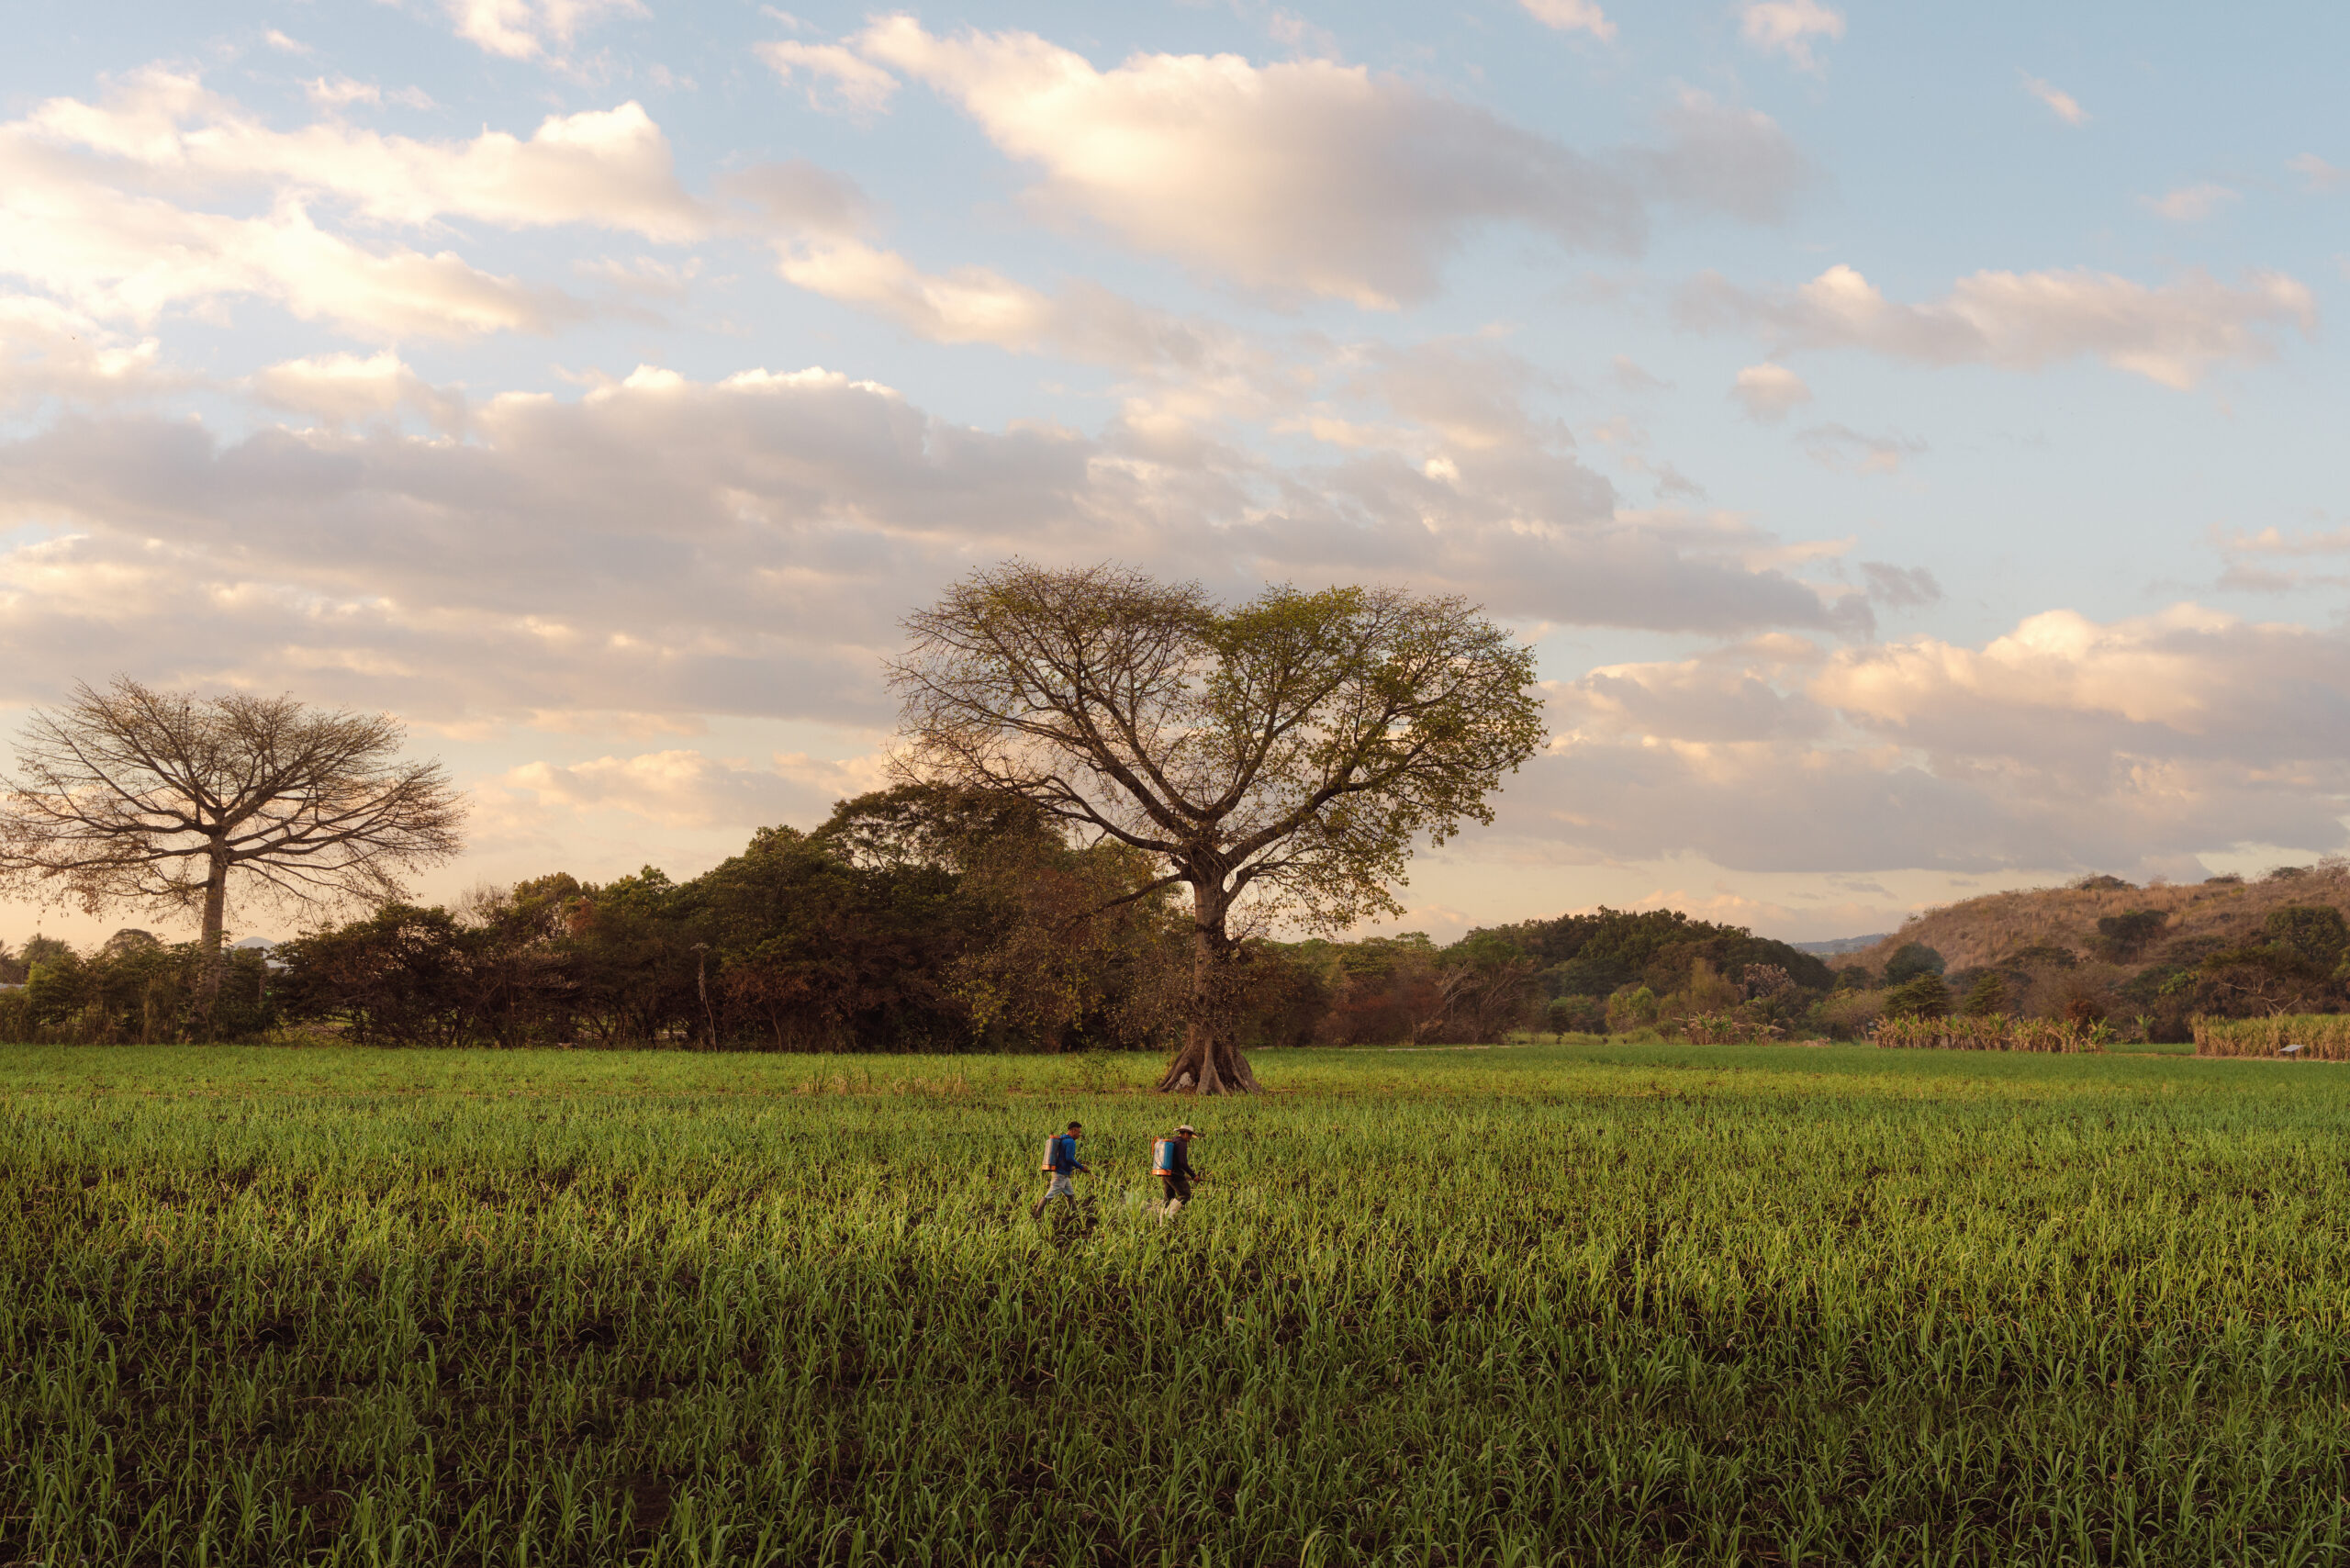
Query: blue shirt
1064	1156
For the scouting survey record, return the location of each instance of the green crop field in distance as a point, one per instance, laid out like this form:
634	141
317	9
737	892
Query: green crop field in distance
1598	1303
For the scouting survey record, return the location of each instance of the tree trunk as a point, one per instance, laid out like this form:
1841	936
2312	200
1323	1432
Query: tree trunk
216	908
1210	1061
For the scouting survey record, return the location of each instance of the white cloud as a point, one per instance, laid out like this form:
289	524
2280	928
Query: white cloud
610	168
135	257
342	90
2061	104
2172	334
969	305
1728	160
857	85
344	388
1848	451
1629	376
47	351
529	30
99	204
1183	372
1570	16
674	788
2063	690
2273	560
120	256
1313	177
797	198
1899	587
2190	204
746	546
1787	28
283	44
2320	174
2066	742
1769	392
2275	540
1304	176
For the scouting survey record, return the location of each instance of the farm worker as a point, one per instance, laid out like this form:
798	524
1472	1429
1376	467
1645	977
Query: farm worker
1174	1159
1060	1164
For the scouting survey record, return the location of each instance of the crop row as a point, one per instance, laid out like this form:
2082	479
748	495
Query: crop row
1994	1032
2319	1037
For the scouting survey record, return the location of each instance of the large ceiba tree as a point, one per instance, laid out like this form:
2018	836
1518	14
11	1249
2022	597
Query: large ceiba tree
129	795
1277	756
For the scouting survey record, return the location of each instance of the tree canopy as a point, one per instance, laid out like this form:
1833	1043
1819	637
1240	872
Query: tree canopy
1280	754
156	799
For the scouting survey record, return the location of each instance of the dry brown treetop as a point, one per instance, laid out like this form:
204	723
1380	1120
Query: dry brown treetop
130	795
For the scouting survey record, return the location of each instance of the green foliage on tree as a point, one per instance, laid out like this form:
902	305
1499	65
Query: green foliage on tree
1909	961
1986	996
1920	996
1281	755
1631	1007
135	990
1592	955
2316	933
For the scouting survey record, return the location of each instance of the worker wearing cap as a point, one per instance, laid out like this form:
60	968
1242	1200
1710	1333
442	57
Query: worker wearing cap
1060	1164
1176	1174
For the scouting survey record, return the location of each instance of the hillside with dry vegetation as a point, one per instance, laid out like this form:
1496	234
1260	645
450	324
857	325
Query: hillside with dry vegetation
2155	958
2225	912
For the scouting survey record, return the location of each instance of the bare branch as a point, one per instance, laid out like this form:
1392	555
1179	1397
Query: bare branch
143	797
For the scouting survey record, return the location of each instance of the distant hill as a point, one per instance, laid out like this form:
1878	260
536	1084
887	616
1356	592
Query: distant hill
2203	916
1836	944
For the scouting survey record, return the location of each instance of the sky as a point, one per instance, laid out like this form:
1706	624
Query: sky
1910	435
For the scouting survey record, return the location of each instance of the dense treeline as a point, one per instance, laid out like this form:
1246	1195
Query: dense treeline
931	920
134	989
913	919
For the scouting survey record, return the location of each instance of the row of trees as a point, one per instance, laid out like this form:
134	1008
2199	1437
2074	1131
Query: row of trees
1277	756
916	918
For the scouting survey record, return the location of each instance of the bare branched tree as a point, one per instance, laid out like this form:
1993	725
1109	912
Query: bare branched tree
155	798
1283	755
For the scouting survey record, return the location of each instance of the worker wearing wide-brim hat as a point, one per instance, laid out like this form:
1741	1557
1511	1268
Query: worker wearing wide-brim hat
1172	1159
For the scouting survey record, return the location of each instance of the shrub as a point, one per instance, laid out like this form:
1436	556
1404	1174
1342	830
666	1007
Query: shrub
1924	997
1913	958
2260	980
2084	1009
1847	1014
2314	933
2123	935
1632	1007
1577	1015
1986	997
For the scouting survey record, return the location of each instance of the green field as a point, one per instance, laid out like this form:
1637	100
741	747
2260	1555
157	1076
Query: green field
1594	1303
